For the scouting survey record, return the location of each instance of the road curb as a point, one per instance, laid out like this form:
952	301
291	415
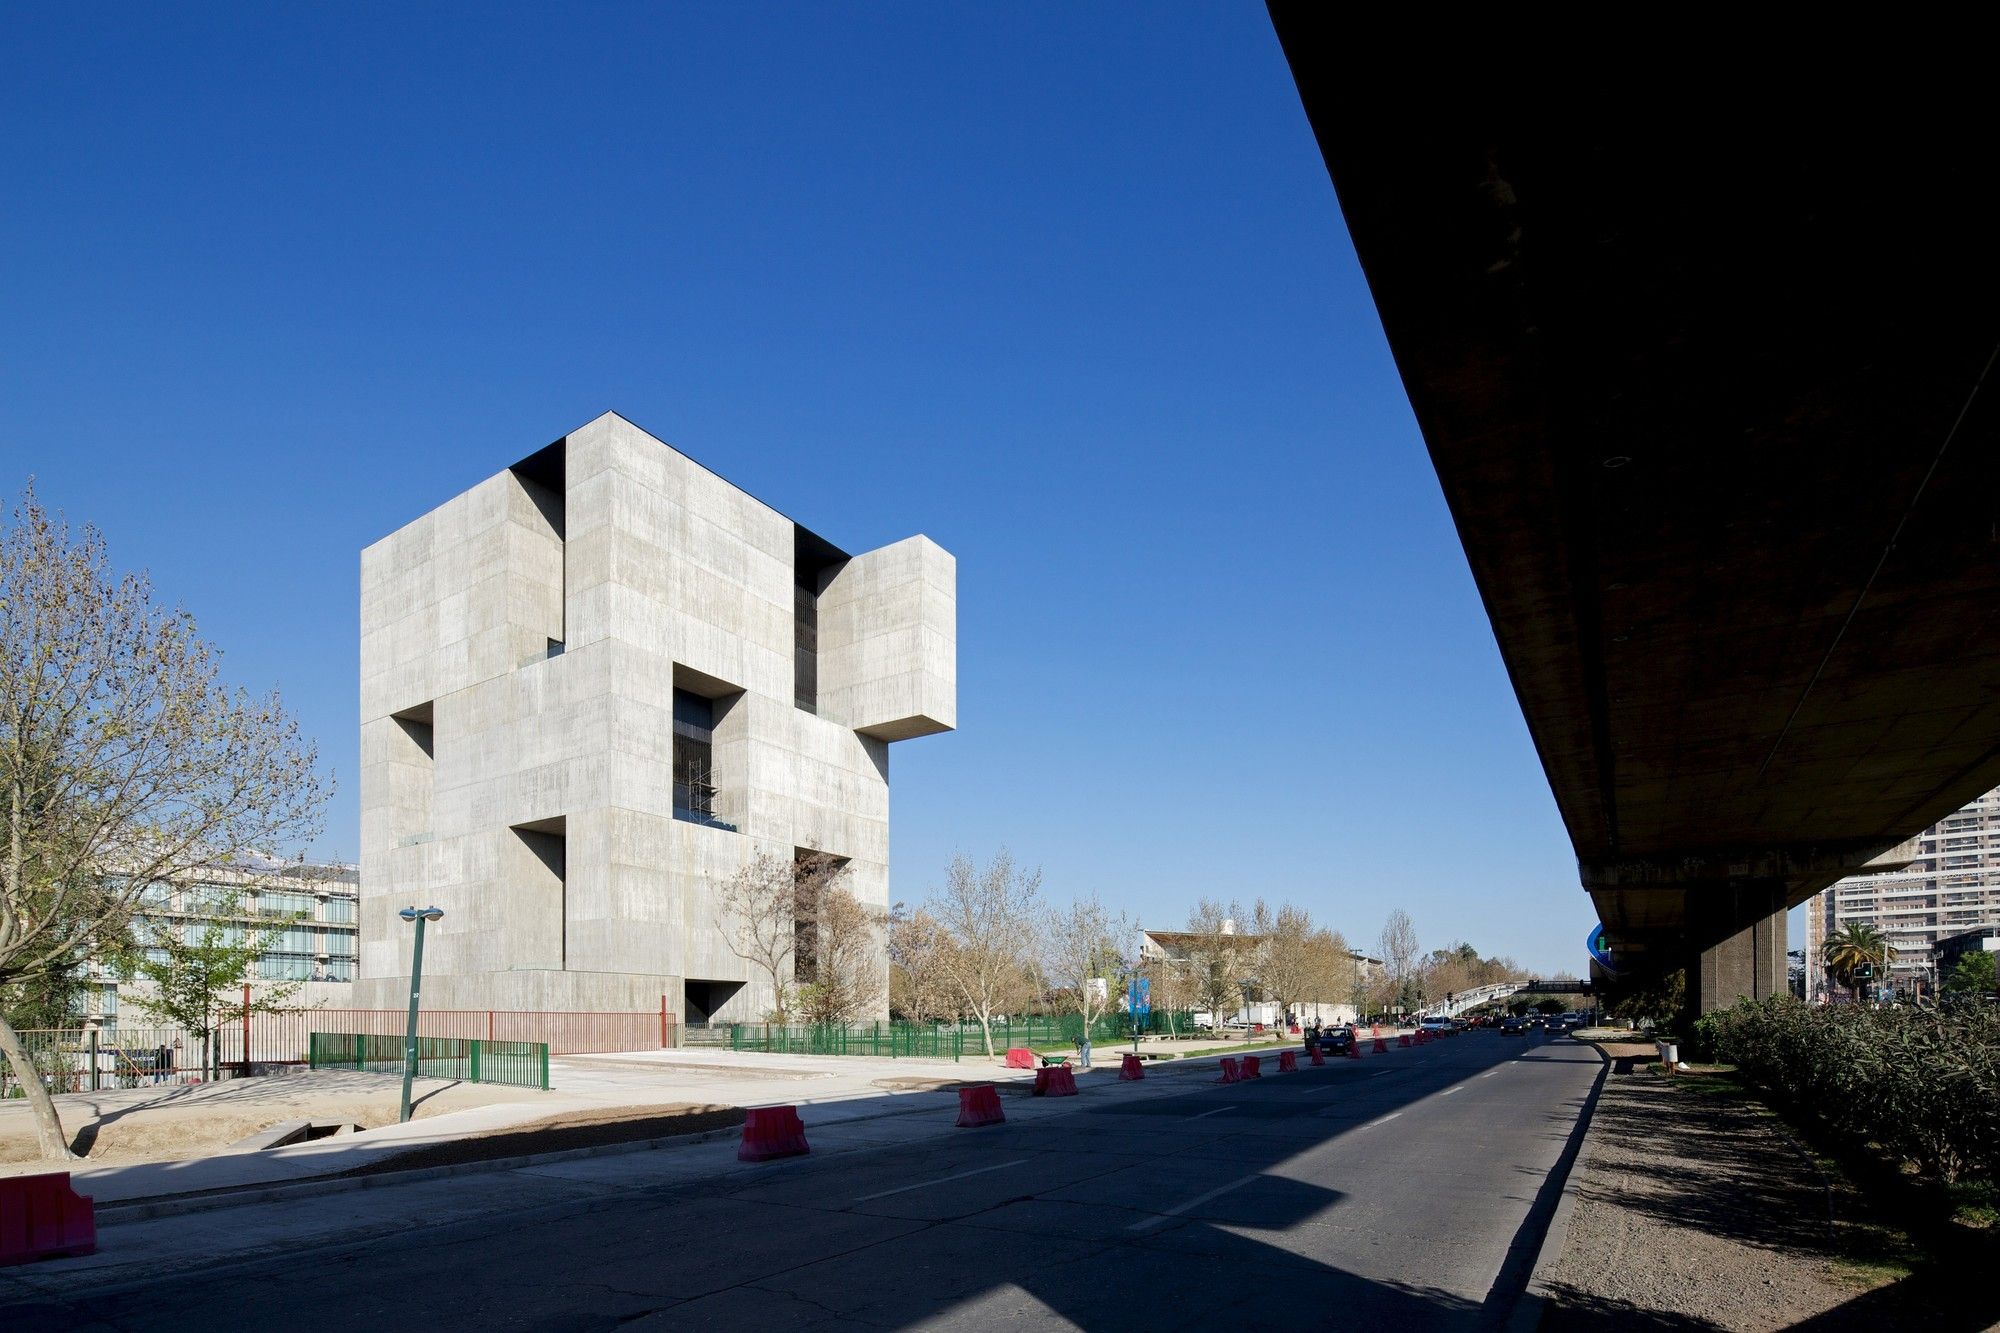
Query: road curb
1527	1313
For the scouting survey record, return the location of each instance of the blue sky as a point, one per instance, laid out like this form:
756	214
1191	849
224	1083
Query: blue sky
1066	290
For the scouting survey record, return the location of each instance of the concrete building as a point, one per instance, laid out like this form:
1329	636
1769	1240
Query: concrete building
303	916
1176	946
596	685
1949	887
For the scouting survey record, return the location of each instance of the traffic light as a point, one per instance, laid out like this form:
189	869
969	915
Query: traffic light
1449	998
1865	972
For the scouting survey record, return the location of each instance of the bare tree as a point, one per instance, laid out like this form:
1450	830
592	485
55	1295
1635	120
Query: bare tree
847	978
1330	967
1083	956
768	913
920	978
992	916
1218	960
1288	968
1167	979
1398	948
123	762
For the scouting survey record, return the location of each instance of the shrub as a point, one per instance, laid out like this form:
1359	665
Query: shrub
1922	1084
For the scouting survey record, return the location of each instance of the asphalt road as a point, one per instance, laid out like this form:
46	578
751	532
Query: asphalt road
1407	1191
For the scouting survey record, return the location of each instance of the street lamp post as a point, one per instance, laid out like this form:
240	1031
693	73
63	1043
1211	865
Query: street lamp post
420	915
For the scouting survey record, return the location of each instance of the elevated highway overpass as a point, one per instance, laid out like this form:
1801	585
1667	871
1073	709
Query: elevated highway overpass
1700	350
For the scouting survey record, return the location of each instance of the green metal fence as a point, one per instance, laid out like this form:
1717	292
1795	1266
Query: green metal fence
891	1039
518	1064
937	1041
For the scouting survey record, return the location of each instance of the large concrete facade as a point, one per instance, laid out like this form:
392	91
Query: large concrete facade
523	648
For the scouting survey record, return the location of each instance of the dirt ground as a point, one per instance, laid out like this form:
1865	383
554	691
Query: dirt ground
1699	1211
168	1123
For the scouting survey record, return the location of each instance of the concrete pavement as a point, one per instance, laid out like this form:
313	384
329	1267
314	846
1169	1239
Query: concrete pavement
1411	1187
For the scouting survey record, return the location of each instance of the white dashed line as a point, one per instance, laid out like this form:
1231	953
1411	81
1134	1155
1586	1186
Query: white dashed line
1196	1202
1383	1121
1206	1114
1448	1091
926	1184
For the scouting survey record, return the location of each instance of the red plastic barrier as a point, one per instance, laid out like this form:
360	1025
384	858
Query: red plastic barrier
1288	1062
1130	1069
1319	1056
1055	1081
43	1217
772	1131
1020	1057
1354	1046
1423	1037
1381	1044
979	1105
1375	1030
1402	1039
1229	1070
1252	1067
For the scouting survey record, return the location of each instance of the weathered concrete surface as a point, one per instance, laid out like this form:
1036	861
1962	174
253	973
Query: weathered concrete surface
1732	516
520	649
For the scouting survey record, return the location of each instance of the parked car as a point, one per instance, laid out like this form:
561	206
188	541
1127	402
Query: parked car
1513	1027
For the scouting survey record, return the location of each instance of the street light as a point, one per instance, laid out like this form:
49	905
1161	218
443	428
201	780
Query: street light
420	915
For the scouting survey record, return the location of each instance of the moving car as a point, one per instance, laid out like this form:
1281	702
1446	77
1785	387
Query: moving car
1438	1027
1513	1027
1335	1040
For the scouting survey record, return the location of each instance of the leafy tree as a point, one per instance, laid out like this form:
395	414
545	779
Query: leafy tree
124	762
1851	947
196	972
1550	1006
1974	975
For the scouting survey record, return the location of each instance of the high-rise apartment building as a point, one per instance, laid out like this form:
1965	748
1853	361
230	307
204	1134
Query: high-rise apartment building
301	916
1951	886
596	685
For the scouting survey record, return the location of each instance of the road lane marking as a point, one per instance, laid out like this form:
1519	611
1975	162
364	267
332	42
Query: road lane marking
1206	1114
1489	1073
1196	1202
1448	1091
1383	1121
926	1184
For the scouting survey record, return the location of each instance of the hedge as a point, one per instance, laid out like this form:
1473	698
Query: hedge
1922	1084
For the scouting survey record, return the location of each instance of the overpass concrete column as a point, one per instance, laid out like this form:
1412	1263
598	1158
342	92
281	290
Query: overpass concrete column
1740	942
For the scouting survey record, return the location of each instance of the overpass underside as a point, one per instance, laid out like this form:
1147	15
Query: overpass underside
1698	357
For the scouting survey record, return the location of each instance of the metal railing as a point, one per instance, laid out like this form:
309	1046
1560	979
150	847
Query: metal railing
517	1064
95	1059
935	1041
282	1037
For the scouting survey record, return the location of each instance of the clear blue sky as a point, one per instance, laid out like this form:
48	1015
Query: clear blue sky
1065	288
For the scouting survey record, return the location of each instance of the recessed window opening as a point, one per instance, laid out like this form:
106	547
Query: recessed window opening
548	842
814	561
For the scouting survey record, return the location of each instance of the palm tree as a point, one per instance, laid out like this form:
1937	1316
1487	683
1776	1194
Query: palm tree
1853	946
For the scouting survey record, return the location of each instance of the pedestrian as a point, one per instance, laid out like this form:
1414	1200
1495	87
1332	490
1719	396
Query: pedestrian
1083	1049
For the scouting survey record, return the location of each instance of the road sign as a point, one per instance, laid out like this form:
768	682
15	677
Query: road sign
1600	948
